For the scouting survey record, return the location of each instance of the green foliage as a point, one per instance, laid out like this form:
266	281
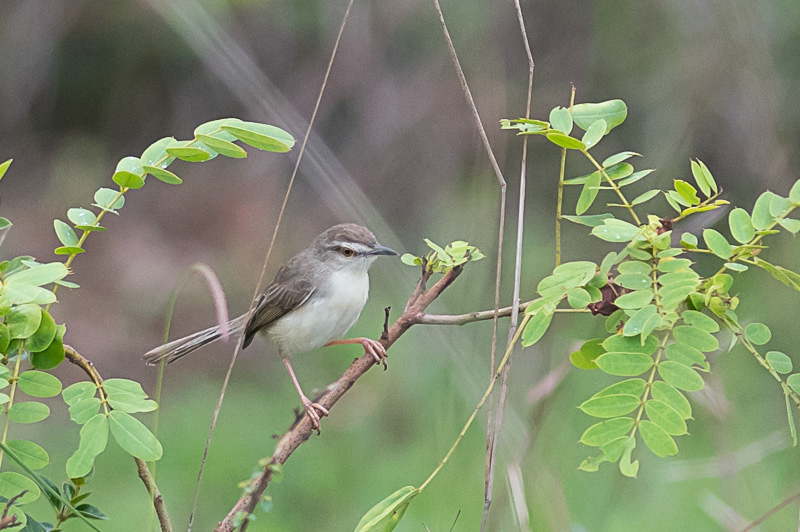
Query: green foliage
442	259
29	336
664	314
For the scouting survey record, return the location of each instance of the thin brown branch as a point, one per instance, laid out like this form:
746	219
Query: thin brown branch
301	429
144	472
774	509
493	429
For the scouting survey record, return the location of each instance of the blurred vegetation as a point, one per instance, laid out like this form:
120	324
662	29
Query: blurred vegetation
85	83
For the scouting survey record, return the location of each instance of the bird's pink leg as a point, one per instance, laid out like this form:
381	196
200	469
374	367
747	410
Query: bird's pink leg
310	408
371	347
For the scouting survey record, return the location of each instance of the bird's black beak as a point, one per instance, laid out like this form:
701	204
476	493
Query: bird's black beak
382	250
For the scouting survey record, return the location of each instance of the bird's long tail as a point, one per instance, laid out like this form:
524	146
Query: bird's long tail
183	346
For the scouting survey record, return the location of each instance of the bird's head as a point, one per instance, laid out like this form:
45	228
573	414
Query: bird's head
349	246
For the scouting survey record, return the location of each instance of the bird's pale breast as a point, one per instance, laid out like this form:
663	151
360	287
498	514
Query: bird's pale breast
326	316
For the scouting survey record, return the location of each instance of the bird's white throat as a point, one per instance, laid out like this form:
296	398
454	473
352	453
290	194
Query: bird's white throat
328	314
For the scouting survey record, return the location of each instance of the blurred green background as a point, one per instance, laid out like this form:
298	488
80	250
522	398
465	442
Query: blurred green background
84	83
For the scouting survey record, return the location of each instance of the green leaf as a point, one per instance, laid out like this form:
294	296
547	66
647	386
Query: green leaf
779	361
578	297
635	300
94	438
607	263
12	484
536	328
612	111
793	381
44	335
787	277
127	396
794	193
741	226
657	439
65	233
384	516
610	405
626	466
627	387
779	206
134	437
565	141
668	394
19	294
5	338
624	364
87	510
156	153
634	281
790	224
611	452
223	147
645	196
591	220
761	216
757	333
708	177
28	412
561	119
31	454
636	324
634	177
687	355
262	136
68	250
4	167
80	391
588	193
626	344
214	127
619	170
53	354
129	173
635	266
687	191
105	196
584	357
81	217
695	337
688	240
192	154
83	411
39	384
698	319
665	417
619	157
717	243
595	133
700	179
165	176
23	320
605	432
617	232
680	376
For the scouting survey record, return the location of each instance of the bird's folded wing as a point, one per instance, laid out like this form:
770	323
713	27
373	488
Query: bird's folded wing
278	299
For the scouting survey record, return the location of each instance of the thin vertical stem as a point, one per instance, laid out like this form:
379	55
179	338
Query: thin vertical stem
560	201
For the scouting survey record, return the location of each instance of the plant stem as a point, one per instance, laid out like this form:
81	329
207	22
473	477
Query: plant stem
560	200
10	403
486	394
625	202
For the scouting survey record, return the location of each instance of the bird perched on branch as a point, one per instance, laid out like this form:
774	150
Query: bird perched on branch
314	300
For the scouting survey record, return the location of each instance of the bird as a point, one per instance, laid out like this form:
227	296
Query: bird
313	301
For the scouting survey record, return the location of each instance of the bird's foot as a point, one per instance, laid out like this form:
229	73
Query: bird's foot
374	348
311	411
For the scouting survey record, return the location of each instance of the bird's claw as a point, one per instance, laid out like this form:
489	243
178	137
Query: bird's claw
376	349
311	411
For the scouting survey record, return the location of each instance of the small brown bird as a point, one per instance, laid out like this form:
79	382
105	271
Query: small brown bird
315	298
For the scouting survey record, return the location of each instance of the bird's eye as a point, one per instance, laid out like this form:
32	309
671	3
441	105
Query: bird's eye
347	252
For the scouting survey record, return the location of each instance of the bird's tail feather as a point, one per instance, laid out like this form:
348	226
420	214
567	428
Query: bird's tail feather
181	347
